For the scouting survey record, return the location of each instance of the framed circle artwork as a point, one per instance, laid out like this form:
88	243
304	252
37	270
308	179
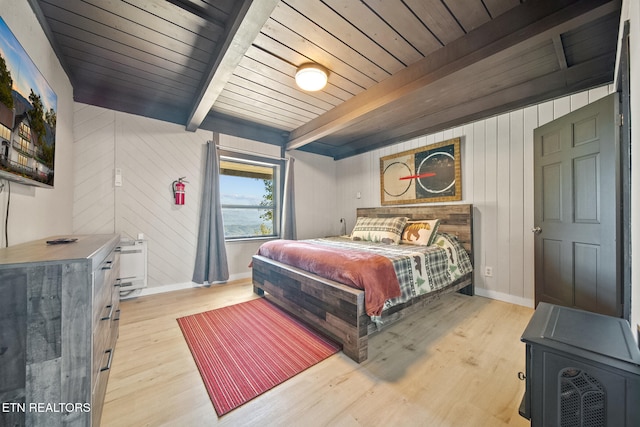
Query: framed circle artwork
426	174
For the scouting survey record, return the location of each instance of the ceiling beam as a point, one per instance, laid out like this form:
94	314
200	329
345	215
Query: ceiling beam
592	73
559	48
529	24
249	18
197	10
234	126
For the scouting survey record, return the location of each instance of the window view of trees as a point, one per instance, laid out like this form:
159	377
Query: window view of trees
6	83
267	201
248	198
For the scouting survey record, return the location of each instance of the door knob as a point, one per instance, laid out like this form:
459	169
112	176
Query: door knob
536	230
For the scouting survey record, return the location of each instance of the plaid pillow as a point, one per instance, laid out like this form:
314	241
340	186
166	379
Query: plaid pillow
381	230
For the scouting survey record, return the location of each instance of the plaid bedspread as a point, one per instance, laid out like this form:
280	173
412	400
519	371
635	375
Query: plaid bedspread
420	269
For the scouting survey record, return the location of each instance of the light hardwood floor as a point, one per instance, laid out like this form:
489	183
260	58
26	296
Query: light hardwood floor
455	364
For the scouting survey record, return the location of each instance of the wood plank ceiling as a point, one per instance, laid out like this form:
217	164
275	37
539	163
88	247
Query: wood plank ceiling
398	68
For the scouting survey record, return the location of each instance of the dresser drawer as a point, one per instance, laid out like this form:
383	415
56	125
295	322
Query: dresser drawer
101	342
112	273
115	322
106	313
103	313
104	281
102	378
106	331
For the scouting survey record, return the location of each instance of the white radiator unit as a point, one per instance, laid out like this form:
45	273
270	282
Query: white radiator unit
133	267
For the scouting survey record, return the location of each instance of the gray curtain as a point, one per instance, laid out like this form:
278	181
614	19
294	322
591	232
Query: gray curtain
211	254
288	225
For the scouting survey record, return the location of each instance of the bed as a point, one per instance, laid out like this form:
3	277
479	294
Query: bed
338	310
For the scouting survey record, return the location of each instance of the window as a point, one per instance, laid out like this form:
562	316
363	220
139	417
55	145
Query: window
25	136
5	133
24	145
25	130
250	196
23	161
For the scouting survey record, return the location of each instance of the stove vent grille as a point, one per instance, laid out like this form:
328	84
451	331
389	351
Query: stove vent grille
582	400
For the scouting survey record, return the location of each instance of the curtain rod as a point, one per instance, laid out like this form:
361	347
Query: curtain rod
253	153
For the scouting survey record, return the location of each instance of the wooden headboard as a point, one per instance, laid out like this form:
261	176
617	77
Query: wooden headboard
454	219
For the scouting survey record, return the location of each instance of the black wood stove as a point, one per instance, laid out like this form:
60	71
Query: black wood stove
582	369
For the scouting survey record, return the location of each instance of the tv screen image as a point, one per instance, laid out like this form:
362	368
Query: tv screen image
28	114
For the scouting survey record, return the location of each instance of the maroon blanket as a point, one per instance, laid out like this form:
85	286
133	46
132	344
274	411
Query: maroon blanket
371	272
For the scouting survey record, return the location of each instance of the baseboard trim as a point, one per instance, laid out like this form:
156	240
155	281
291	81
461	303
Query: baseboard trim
501	296
187	285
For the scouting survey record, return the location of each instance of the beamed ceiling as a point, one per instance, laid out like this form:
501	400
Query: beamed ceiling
398	68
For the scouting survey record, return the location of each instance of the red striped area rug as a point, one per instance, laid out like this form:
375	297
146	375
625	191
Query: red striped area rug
246	349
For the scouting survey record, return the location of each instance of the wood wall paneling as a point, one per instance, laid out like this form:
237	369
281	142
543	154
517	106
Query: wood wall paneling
150	154
530	120
503	231
497	179
497	168
94	153
516	201
476	160
490	211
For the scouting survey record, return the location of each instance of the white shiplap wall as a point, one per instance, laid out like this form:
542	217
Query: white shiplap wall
497	158
497	172
94	159
151	154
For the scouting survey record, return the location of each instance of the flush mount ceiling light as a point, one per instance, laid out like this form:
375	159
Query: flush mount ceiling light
311	77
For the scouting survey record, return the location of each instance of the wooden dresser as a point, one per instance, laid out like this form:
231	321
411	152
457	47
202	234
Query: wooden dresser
59	311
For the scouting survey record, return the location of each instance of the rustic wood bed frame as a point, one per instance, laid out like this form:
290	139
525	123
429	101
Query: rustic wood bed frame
338	310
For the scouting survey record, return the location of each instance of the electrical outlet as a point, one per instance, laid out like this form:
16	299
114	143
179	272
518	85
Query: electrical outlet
488	271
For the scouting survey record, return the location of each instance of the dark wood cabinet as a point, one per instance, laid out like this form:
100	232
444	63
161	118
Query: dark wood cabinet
59	311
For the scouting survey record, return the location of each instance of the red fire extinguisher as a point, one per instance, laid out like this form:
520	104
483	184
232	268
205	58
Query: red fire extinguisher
178	190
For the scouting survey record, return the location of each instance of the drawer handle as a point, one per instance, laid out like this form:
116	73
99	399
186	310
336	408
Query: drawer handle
108	316
117	282
106	368
117	316
108	265
131	251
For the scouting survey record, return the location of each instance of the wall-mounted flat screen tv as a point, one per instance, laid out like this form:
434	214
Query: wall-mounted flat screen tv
28	111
